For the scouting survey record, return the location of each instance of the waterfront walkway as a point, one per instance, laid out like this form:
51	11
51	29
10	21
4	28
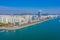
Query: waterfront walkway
22	26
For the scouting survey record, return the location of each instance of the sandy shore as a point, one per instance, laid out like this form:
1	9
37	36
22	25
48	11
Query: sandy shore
23	26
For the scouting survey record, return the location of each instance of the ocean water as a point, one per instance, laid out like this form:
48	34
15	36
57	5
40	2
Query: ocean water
49	30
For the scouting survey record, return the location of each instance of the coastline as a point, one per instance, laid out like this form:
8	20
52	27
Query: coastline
20	27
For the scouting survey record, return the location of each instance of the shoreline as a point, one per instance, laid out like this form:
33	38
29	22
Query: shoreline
16	28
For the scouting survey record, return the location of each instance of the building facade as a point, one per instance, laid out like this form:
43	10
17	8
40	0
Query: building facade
17	19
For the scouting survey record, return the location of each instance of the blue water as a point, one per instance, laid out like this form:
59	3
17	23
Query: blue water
49	30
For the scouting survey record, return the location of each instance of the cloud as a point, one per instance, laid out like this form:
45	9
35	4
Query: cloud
13	10
16	10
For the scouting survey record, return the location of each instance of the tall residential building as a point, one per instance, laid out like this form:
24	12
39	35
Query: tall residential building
38	13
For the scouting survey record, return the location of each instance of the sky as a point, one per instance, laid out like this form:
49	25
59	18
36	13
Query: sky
29	6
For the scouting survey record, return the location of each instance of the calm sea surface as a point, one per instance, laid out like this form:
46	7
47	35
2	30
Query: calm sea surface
49	30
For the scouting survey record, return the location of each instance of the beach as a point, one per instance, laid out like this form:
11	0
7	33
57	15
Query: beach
48	30
23	26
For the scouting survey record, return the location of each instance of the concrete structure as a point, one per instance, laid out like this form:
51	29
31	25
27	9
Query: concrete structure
39	14
52	16
23	19
17	19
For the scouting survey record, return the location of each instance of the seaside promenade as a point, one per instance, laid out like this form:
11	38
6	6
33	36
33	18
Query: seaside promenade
24	25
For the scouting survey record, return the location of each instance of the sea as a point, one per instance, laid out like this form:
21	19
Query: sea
48	30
